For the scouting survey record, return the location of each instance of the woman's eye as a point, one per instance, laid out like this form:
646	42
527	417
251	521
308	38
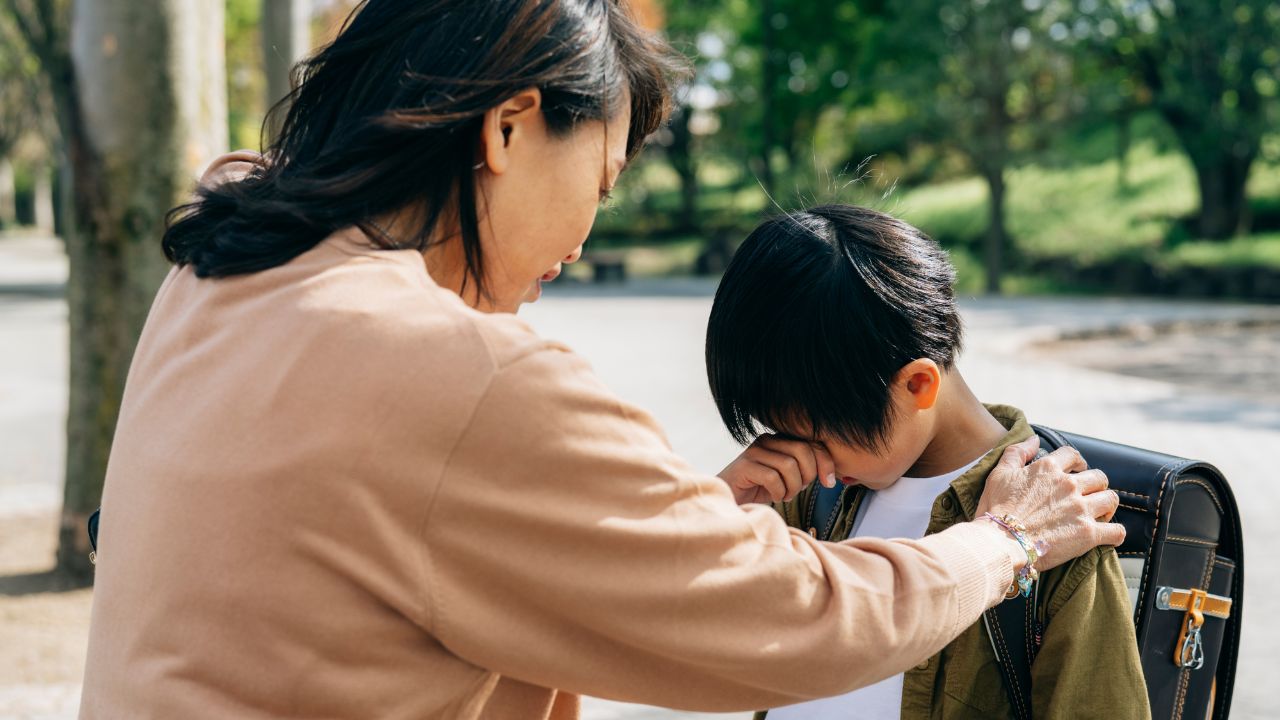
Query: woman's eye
605	197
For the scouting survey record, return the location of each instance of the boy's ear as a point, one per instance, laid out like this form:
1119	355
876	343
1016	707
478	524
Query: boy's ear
507	122
922	378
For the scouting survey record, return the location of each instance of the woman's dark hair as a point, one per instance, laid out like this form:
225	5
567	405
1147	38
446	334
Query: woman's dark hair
815	316
388	116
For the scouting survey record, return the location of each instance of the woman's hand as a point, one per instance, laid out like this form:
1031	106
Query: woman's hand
1057	498
773	469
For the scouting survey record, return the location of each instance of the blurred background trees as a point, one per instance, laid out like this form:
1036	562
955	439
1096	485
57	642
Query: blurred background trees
1051	145
140	102
1124	146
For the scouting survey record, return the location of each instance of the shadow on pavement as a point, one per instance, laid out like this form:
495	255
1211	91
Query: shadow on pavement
48	581
37	290
1199	408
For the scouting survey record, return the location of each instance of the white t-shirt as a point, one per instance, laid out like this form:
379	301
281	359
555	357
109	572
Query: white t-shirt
898	511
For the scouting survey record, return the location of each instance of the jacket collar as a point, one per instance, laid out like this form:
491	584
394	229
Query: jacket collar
960	501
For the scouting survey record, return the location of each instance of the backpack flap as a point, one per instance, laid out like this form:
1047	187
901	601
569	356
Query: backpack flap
1183	562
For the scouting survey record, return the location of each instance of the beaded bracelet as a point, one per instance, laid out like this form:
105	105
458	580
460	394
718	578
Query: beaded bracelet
1027	575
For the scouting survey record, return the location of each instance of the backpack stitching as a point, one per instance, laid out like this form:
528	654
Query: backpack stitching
1151	545
1213	495
1192	541
998	635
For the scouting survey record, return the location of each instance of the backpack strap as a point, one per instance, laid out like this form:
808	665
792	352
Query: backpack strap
1010	626
1016	634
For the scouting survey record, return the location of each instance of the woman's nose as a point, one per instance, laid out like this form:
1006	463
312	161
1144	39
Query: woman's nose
573	256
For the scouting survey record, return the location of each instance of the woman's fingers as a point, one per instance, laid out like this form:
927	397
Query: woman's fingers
1057	497
1017	455
1091	481
1102	505
1110	533
1065	459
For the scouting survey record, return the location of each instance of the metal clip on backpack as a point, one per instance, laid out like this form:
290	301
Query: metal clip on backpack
1183	560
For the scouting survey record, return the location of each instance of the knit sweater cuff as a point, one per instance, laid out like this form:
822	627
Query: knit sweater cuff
982	566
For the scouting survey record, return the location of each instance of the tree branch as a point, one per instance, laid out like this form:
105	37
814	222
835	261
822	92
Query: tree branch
25	28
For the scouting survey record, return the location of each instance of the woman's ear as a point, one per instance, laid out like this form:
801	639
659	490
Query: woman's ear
922	379
506	124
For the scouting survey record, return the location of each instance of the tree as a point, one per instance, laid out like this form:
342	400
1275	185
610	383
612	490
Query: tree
987	83
286	39
684	23
1211	67
811	57
140	97
23	110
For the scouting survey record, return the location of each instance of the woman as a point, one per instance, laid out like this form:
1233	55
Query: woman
348	483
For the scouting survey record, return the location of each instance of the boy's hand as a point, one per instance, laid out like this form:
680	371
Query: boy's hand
773	469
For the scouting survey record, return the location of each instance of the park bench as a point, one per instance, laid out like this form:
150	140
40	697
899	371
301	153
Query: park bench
606	265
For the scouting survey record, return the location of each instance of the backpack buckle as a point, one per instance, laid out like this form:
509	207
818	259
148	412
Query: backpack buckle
1191	649
1190	645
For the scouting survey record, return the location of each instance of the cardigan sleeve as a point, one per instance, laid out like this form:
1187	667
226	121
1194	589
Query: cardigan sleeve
567	546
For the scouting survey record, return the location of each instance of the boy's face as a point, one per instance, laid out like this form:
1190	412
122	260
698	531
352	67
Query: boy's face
913	397
878	468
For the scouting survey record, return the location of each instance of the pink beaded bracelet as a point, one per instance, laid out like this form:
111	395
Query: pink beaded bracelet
1027	574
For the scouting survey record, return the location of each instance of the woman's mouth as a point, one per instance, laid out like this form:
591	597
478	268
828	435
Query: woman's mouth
551	274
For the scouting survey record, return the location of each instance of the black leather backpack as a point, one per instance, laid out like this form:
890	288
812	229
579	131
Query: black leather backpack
1183	561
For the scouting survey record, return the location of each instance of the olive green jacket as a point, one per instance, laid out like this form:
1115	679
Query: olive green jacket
1088	665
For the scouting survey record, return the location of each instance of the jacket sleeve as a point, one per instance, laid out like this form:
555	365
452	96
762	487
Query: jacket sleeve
568	547
1089	665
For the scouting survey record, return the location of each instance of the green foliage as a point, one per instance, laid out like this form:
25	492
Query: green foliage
246	85
1210	69
1081	213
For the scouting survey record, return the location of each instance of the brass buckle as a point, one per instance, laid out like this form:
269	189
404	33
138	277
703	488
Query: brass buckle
1190	645
1191	651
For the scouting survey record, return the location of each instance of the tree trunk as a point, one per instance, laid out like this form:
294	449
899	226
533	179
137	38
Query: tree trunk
680	155
1224	205
147	109
997	237
286	39
43	200
8	195
1124	140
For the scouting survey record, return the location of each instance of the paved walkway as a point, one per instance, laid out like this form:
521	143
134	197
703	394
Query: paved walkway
646	341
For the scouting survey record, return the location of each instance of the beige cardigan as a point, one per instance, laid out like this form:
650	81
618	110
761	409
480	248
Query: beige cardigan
338	492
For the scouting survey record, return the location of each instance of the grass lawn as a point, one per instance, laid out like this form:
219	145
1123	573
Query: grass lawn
1079	211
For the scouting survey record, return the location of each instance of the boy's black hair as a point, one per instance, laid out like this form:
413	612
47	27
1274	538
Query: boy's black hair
815	316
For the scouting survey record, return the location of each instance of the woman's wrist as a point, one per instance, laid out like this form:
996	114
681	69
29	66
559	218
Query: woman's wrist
1017	557
1031	548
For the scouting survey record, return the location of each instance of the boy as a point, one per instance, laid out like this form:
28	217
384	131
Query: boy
838	326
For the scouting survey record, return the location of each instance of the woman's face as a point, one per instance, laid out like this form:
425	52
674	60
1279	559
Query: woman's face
537	194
